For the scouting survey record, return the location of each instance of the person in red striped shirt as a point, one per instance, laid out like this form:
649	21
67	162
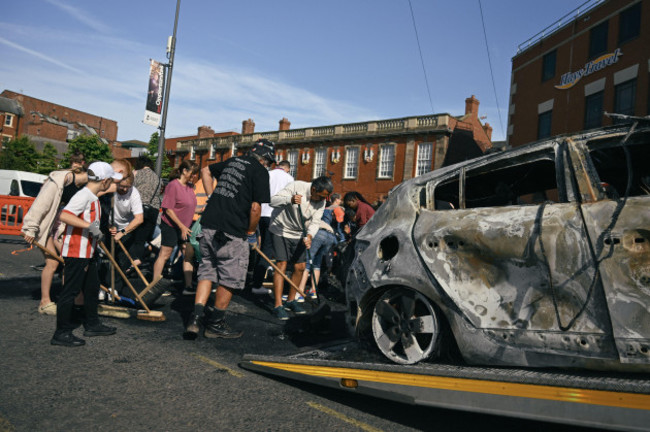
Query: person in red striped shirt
82	215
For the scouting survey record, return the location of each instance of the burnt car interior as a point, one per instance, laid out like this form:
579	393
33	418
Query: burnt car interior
614	166
531	182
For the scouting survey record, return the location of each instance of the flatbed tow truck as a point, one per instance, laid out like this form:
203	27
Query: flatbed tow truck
581	398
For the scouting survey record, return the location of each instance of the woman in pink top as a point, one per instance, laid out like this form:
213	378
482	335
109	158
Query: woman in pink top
178	205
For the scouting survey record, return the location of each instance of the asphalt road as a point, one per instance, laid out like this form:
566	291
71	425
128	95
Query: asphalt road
146	377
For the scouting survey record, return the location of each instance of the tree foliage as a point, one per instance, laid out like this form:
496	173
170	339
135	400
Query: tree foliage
47	160
19	154
152	150
91	147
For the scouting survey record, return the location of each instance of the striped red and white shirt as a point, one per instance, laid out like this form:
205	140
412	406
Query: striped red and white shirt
77	242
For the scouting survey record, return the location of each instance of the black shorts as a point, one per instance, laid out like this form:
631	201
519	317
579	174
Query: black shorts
286	249
170	236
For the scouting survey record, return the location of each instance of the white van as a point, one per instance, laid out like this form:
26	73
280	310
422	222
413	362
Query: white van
20	183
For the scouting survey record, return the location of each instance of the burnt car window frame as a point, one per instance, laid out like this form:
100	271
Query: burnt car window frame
510	185
461	175
600	153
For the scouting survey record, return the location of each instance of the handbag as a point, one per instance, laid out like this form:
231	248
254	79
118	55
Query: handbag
150	213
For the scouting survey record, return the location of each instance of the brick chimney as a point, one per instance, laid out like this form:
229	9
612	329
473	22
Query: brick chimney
205	132
285	124
247	127
488	130
471	106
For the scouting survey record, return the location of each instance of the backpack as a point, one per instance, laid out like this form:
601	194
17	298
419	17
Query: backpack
194	241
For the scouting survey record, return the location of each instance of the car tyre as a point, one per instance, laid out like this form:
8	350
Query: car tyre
405	326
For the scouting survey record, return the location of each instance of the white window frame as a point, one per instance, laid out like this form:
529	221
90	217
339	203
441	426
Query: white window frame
292	157
424	159
386	164
9	120
351	168
320	162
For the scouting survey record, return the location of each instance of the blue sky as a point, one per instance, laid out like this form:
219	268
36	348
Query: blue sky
316	63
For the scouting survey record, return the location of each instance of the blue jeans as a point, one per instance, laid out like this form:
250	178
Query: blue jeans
320	245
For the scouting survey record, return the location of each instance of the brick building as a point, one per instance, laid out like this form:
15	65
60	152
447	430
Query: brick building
203	132
369	157
11	113
594	60
44	121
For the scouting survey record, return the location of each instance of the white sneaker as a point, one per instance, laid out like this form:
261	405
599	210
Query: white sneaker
299	298
261	291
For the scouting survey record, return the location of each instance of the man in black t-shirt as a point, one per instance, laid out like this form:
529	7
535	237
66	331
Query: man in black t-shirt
229	220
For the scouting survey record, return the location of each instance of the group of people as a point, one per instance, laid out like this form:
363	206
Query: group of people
246	211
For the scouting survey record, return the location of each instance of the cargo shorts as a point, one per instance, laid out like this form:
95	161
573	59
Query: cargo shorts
224	259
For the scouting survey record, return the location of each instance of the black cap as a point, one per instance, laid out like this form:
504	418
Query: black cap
265	149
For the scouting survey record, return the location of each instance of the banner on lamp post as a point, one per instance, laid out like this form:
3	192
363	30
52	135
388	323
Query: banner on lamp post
154	106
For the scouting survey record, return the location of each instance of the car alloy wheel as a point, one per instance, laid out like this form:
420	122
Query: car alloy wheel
405	326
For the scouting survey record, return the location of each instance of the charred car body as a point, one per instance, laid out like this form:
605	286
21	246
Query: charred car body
537	257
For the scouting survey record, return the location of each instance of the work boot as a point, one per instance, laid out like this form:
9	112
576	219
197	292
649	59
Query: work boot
216	326
99	329
67	339
220	329
192	329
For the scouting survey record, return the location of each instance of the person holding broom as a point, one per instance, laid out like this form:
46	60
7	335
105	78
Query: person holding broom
127	217
82	216
296	217
41	223
230	220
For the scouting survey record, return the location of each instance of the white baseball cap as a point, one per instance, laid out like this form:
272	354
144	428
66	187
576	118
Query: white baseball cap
99	171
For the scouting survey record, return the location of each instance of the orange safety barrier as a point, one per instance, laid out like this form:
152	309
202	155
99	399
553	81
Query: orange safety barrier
13	209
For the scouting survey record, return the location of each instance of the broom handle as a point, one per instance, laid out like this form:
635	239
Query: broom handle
49	252
304	234
126	280
277	269
137	269
106	290
112	244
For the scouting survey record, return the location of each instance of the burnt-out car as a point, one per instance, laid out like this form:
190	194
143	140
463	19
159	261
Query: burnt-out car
536	257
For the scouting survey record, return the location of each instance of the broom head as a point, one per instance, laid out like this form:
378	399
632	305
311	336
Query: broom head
151	315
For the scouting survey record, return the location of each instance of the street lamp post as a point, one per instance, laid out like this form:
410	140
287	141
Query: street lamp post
171	48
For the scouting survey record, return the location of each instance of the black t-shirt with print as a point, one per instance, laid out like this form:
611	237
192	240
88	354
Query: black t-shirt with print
241	181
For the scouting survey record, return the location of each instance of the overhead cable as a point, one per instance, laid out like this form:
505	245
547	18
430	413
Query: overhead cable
417	38
494	87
